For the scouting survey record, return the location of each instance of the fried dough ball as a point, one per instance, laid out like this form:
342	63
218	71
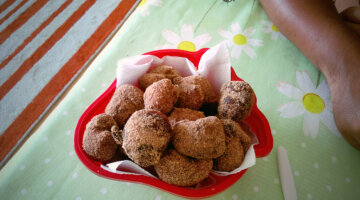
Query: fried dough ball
232	157
191	96
245	141
166	70
209	95
236	100
233	129
145	136
158	73
237	143
201	139
179	114
98	142
125	101
161	96
180	170
149	78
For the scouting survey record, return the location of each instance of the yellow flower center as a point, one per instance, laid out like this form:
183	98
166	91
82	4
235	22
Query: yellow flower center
142	3
187	46
313	103
239	39
274	28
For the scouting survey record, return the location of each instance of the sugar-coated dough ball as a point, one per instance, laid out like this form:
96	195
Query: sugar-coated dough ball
161	96
125	101
235	150
149	78
158	73
201	139
180	170
190	96
204	84
168	71
145	136
180	114
236	100
98	142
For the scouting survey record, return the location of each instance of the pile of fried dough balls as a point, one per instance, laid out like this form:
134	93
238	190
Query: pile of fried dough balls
165	130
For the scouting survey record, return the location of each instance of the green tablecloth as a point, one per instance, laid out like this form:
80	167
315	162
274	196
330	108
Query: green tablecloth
291	93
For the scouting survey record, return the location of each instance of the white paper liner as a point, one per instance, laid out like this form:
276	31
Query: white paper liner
214	64
126	167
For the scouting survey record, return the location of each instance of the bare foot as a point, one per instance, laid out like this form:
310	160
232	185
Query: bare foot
330	45
345	96
345	88
351	17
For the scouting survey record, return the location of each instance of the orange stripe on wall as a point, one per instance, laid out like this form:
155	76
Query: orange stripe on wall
14	132
5	5
12	11
34	34
44	48
18	22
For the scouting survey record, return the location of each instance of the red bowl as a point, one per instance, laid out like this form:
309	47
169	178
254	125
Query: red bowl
257	122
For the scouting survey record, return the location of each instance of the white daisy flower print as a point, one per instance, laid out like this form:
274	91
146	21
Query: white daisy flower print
270	28
241	40
143	6
186	40
313	102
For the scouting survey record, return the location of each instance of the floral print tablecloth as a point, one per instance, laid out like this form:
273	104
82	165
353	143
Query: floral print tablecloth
291	92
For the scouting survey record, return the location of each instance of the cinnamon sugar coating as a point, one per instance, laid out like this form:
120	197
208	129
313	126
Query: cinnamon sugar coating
237	144
236	100
98	142
179	114
125	101
204	84
149	78
201	139
166	70
145	136
233	129
190	96
161	96
180	170
158	73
